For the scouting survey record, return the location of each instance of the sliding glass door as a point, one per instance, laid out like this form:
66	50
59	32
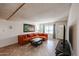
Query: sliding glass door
49	29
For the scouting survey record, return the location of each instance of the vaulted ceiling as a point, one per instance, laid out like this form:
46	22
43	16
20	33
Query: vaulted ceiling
35	12
7	9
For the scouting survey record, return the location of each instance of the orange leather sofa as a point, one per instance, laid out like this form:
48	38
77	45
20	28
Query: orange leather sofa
23	39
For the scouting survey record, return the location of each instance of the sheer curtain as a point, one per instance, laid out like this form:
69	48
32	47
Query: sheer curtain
47	28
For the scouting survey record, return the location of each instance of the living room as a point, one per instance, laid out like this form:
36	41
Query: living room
13	25
34	29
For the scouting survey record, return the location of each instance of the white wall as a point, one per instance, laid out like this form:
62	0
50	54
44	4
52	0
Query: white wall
74	21
10	36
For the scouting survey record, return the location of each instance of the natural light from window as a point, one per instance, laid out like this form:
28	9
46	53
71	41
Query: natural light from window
49	29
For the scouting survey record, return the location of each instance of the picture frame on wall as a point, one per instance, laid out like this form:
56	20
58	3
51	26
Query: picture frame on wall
28	28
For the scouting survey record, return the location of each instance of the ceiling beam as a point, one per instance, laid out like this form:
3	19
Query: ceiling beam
16	11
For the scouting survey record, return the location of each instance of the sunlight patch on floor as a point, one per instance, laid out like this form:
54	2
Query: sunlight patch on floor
50	44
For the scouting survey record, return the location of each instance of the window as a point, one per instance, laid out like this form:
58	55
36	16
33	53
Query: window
49	29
